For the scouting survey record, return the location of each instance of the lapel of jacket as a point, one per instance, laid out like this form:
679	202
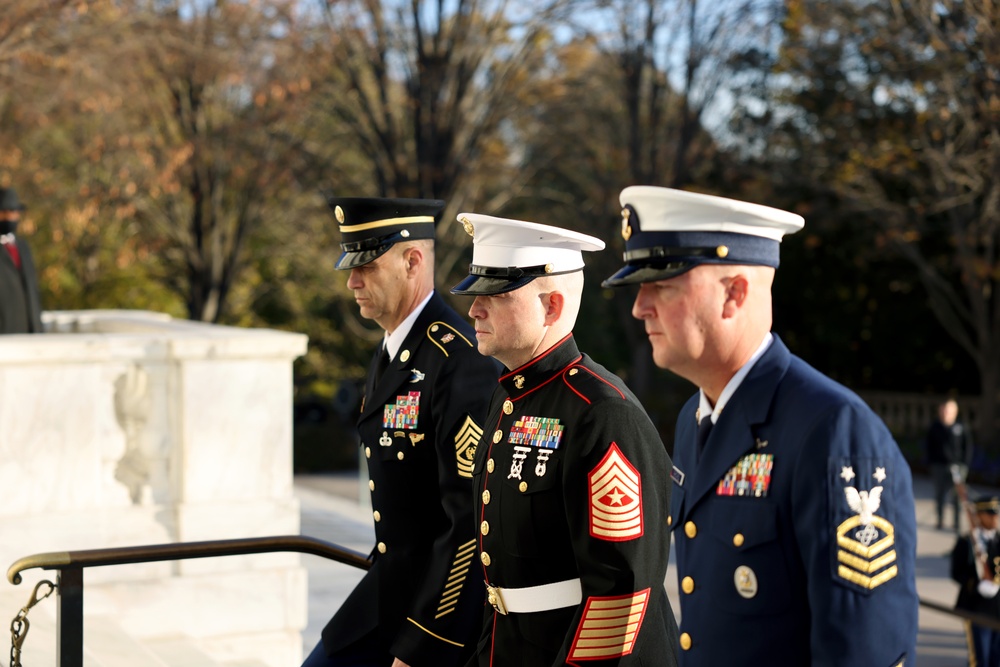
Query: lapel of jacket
398	372
733	435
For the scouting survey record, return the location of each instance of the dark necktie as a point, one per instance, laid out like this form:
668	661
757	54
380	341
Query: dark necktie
704	428
381	363
14	254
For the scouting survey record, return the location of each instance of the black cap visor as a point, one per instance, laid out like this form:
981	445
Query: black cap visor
632	274
489	285
352	260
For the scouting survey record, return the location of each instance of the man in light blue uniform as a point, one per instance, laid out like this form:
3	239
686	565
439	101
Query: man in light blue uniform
792	505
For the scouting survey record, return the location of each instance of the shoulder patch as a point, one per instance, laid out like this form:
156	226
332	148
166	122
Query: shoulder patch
615	498
466	442
861	495
446	336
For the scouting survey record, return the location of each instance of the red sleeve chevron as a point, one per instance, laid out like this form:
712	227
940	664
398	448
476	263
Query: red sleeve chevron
609	626
615	498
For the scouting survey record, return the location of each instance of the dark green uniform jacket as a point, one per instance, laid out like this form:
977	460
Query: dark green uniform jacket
419	430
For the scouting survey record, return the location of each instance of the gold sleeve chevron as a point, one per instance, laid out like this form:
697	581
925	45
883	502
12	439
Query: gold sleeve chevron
456	578
609	626
466	440
867	566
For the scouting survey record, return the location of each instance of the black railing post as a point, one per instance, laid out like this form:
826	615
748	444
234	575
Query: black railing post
69	617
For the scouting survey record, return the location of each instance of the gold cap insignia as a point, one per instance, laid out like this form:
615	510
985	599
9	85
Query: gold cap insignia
338	213
467	225
626	226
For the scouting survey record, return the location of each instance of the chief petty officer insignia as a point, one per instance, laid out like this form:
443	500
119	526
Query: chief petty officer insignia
865	541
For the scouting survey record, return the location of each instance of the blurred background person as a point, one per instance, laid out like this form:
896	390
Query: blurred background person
20	303
949	454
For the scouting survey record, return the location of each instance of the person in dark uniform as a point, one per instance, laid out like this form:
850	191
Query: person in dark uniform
949	454
20	303
975	565
421	420
792	505
571	493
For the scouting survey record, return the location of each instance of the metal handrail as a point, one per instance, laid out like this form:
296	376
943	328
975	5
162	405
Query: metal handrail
186	550
70	565
990	622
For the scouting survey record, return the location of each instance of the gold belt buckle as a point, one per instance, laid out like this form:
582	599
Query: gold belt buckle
495	599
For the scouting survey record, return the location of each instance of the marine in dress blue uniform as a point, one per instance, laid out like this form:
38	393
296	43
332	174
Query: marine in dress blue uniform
794	516
571	482
420	423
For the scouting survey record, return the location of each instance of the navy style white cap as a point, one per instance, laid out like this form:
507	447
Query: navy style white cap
369	226
668	232
507	254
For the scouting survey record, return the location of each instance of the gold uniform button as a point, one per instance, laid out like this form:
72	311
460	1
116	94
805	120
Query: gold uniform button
508	407
485	557
377	515
434	328
486	497
738	540
497	436
670	520
687	585
371	484
381	547
368	452
574	371
490	465
690	529
484	527
404	356
522	487
399	456
685	641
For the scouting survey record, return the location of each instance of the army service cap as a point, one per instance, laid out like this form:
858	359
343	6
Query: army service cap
369	226
508	254
668	232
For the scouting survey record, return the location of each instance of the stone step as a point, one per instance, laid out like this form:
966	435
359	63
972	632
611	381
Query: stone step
106	644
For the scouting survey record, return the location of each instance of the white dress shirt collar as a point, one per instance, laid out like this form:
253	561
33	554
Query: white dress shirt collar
395	340
705	407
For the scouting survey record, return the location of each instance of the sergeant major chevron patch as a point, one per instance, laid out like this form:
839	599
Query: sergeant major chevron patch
466	441
615	498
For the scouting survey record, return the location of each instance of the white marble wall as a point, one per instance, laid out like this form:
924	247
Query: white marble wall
121	428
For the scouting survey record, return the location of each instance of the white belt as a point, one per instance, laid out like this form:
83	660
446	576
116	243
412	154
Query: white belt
535	598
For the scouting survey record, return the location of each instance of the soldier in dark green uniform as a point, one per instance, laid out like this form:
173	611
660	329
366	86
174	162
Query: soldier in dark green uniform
420	423
572	480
